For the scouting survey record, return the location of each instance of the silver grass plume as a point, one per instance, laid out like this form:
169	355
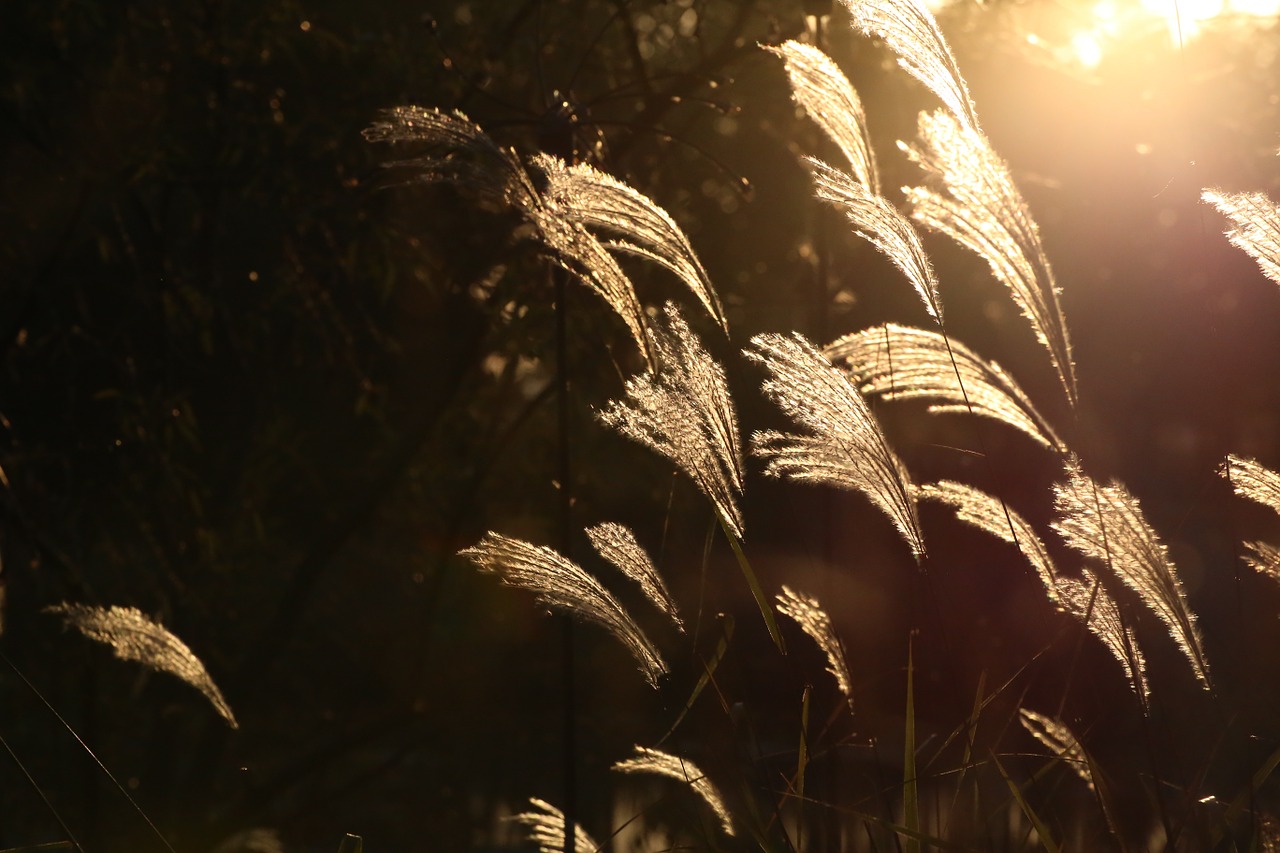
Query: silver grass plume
905	363
882	225
977	204
1250	479
581	254
563	586
564	207
910	31
979	509
1255	226
1106	524
1060	740
814	621
843	444
1088	600
683	411
1084	600
458	152
591	198
135	637
618	545
546	829
820	87
682	770
1263	558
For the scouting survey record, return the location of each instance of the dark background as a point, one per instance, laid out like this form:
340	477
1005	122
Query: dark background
264	389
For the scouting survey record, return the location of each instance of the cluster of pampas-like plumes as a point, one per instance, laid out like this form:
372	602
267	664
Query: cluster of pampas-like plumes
680	408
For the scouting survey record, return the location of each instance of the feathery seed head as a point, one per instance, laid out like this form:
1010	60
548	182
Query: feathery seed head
843	444
134	637
1106	524
683	411
563	586
648	760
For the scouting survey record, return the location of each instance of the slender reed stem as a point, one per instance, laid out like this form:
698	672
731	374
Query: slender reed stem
564	474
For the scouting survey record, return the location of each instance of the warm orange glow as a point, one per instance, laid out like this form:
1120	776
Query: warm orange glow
1087	49
1184	18
1111	21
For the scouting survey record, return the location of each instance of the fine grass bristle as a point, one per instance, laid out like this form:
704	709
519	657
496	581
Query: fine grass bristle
135	637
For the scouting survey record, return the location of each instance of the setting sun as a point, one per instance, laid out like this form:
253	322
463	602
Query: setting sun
1110	24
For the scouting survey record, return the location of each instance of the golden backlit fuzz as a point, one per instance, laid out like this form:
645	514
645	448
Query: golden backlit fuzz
135	637
682	770
563	586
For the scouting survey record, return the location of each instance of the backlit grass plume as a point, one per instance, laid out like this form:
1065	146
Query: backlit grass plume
566	205
618	545
545	824
1106	524
588	197
1250	479
910	31
1263	558
972	199
683	411
905	363
814	621
1083	599
1088	601
457	152
565	587
979	509
1255	226
820	87
682	770
882	225
1059	739
842	445
135	637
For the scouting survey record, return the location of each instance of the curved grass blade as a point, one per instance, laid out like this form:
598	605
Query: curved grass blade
583	256
802	764
910	785
843	444
134	637
1255	226
1060	741
563	586
1087	600
883	226
757	592
1264	558
1084	599
910	31
1042	829
588	197
1105	523
976	203
814	621
1250	479
458	153
820	87
683	411
682	770
904	363
546	828
618	545
708	672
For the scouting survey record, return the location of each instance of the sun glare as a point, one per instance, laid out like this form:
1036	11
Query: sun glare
1111	21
